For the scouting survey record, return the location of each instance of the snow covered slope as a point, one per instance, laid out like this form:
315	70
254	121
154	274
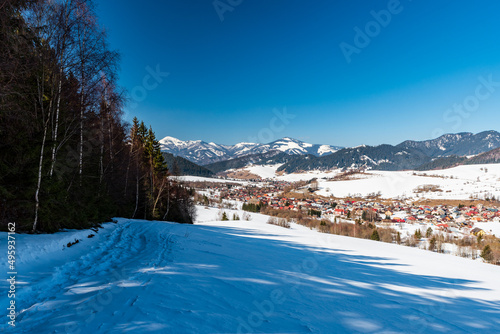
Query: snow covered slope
270	172
204	153
196	151
244	277
462	182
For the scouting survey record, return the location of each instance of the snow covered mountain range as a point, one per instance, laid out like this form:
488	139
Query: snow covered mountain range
446	151
305	156
204	153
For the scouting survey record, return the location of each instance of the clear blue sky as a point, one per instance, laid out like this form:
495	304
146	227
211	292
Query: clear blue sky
227	76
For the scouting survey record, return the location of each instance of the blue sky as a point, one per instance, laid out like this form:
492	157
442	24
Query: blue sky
422	69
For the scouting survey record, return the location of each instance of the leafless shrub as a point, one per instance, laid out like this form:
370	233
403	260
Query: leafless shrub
278	222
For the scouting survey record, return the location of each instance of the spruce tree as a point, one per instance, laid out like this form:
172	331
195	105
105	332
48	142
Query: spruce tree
487	253
398	238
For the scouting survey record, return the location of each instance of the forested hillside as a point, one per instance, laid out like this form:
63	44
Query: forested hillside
66	157
180	166
382	157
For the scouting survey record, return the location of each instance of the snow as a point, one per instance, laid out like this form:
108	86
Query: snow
493	227
263	171
286	146
460	182
172	140
306	176
325	149
190	178
244	276
269	172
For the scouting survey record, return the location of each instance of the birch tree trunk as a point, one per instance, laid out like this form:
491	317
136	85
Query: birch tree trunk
45	120
56	127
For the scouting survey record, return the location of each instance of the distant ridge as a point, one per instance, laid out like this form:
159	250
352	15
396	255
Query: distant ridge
460	144
446	151
204	153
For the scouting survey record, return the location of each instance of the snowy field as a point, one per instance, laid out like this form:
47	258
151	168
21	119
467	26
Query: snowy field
460	182
270	172
456	183
191	178
243	277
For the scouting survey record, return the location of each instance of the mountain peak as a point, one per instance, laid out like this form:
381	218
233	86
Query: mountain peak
460	144
204	153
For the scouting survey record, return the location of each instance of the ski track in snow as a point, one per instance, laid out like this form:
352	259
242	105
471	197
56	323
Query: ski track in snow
247	276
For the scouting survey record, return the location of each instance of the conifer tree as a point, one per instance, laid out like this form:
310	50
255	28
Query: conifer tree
428	233
398	238
487	253
66	157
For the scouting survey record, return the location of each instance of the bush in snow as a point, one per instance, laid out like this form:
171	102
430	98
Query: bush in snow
278	222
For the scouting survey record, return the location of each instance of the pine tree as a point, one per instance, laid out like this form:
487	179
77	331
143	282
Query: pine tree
432	243
375	236
224	216
142	132
487	253
398	238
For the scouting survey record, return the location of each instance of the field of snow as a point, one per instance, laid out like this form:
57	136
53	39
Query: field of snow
467	180
243	277
269	172
191	178
264	171
306	176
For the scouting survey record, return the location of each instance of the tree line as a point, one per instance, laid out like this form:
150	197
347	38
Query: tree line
67	158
